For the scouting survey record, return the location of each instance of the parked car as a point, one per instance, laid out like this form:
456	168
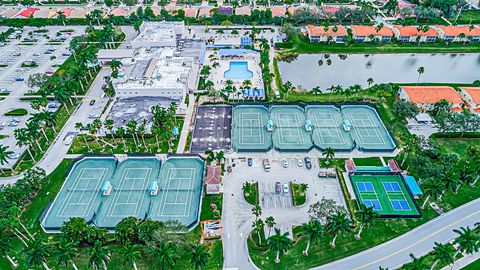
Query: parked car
266	165
299	162
19	79
92	102
16	54
69	139
284	162
249	162
104	86
308	162
286	188
278	187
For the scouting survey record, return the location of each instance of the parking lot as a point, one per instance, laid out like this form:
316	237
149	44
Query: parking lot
278	203
48	50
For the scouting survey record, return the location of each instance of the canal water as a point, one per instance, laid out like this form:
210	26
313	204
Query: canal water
311	70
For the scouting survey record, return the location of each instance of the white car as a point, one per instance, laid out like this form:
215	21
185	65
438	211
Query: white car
69	139
299	162
286	189
284	162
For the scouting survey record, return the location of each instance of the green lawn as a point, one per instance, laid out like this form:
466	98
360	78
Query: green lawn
302	45
17	112
373	161
469	17
207	201
252	196
298	197
473	266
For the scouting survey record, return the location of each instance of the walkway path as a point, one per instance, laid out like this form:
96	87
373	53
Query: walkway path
186	124
462	262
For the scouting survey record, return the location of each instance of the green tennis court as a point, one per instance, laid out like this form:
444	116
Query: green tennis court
387	194
249	131
290	133
327	130
103	191
368	130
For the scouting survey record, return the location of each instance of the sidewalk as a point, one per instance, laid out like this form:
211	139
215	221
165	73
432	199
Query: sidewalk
462	262
186	125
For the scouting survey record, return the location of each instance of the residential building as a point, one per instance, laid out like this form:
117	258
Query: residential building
414	34
334	33
471	96
213	180
243	10
425	97
459	33
366	33
154	34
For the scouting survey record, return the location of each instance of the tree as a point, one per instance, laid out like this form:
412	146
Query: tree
257	226
432	188
199	256
370	81
37	79
5	155
61	17
312	231
328	153
365	216
65	252
279	243
165	255
316	90
270	222
420	71
405	109
324	208
443	253
36	253
99	256
5	248
131	253
416	264
467	241
126	231
338	224
257	211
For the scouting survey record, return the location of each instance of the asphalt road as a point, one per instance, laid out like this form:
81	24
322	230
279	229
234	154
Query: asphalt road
419	241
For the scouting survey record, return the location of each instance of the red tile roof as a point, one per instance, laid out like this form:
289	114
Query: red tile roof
392	163
278	11
314	30
361	30
213	175
474	92
432	94
412	31
350	165
457	109
457	30
28	12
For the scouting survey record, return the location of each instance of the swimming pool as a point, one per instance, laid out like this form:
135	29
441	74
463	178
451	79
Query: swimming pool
238	71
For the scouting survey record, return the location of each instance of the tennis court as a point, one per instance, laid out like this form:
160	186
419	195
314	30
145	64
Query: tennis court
249	132
386	193
327	128
180	188
289	133
369	132
129	197
79	196
131	181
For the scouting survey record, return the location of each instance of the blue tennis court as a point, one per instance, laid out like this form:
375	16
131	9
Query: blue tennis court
391	187
373	203
365	187
400	205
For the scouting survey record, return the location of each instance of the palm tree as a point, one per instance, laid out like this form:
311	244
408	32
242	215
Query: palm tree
365	216
287	87
219	157
131	253
5	155
420	71
270	222
313	231
5	248
316	90
467	241
199	256
443	253
210	156
279	243
257	211
132	129
338	224
328	153
109	124
370	81
36	253
416	264
99	256
165	255
23	139
257	226
79	126
61	17
432	188
65	252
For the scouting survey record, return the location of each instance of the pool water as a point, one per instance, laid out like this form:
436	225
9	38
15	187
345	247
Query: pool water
238	71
